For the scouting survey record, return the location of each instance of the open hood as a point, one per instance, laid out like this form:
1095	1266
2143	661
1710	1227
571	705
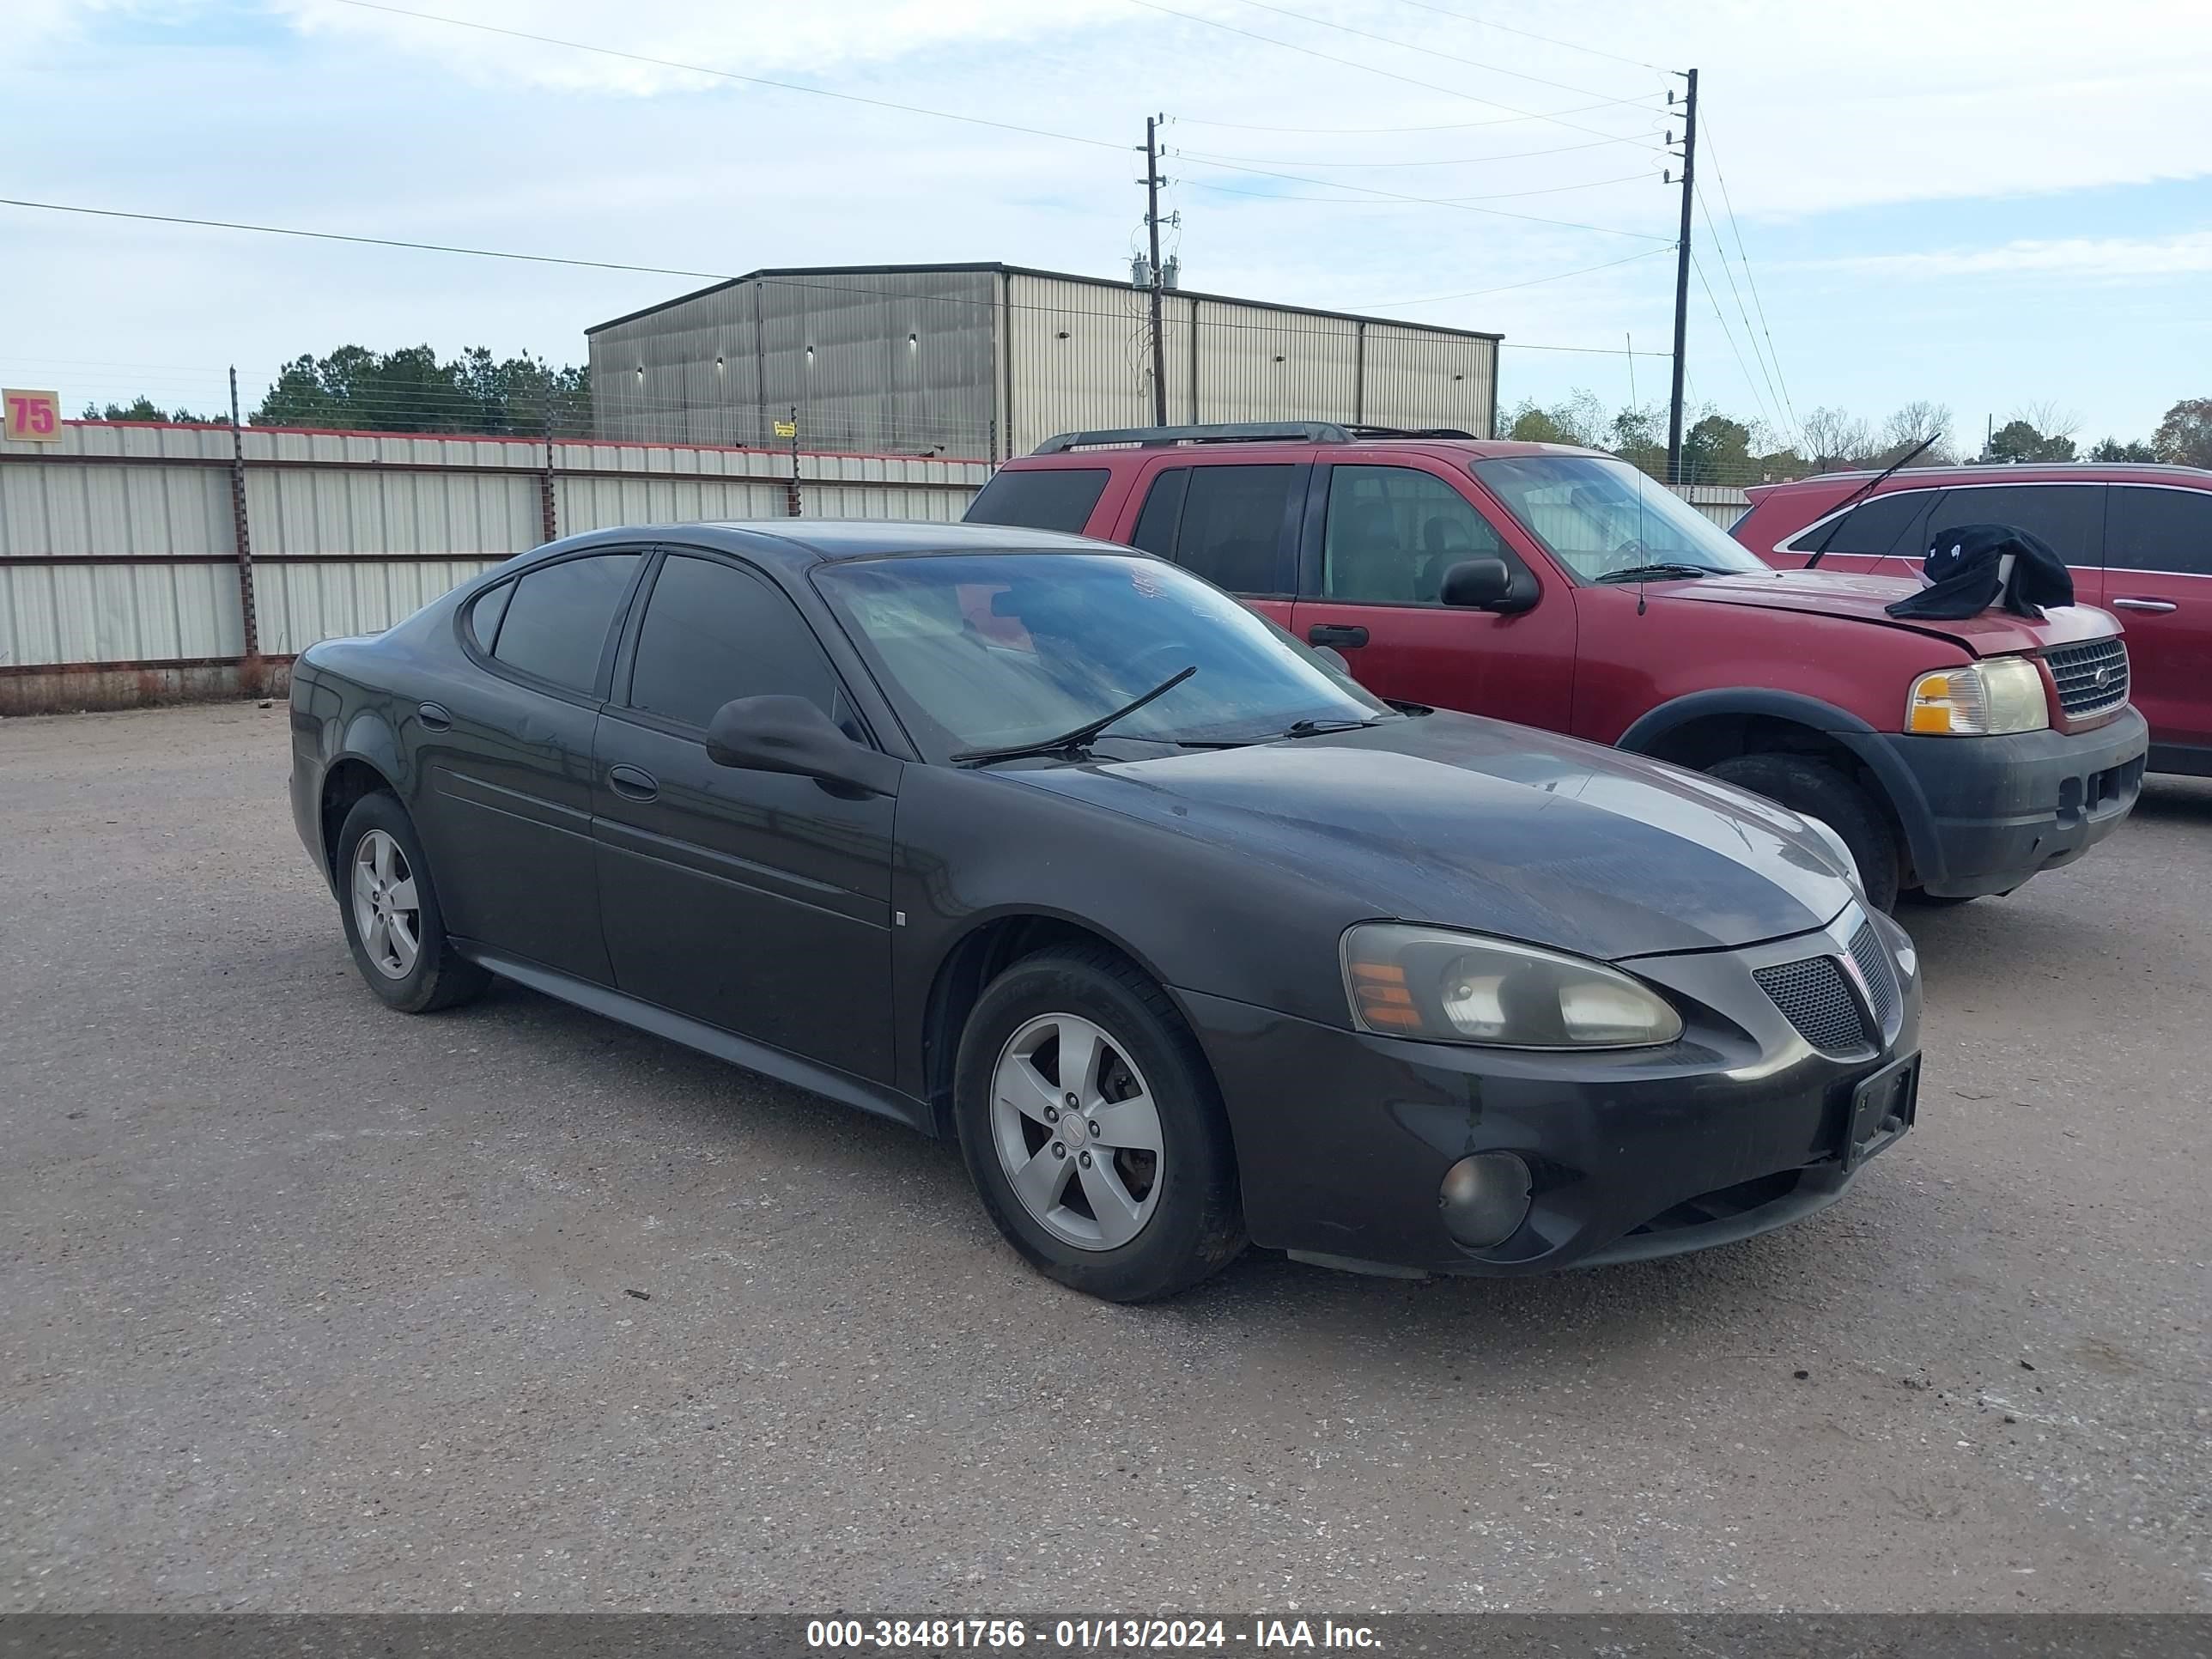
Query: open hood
1863	598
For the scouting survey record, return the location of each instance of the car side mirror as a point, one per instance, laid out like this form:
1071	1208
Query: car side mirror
1481	585
791	735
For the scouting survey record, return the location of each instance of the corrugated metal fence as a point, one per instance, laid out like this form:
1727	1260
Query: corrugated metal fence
140	561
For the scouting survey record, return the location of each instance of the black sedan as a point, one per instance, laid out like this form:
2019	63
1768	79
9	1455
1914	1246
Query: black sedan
1052	847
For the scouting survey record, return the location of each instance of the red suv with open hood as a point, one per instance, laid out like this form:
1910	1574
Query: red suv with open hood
1562	588
2139	538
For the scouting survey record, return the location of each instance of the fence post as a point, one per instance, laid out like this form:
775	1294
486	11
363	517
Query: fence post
547	506
250	624
792	489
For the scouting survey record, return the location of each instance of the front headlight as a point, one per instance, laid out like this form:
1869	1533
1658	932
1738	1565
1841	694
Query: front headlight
1438	986
1983	699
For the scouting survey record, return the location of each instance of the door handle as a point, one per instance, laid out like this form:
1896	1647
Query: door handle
2156	607
435	717
1336	634
632	784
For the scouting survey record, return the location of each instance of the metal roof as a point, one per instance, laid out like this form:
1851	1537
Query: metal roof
997	268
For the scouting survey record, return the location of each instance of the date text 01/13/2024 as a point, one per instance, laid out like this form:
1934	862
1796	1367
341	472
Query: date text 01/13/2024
1082	1635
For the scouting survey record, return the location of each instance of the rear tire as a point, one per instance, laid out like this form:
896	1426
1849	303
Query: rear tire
1130	1193
1813	789
390	908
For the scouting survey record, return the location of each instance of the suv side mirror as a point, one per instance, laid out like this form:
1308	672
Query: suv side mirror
1480	585
791	735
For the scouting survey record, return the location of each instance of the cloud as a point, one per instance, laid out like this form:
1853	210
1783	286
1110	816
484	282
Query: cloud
2078	257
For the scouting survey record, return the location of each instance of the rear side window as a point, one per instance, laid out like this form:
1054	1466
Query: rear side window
1232	527
1156	525
713	634
1895	523
2160	530
1040	498
483	616
555	625
2065	515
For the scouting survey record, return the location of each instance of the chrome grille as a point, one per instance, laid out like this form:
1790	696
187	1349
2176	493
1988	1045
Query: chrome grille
2092	678
1815	996
1879	973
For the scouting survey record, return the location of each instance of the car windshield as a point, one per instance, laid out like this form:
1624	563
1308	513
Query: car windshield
1600	517
992	651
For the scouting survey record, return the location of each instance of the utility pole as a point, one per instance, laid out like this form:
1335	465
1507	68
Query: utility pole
242	540
1682	281
1153	183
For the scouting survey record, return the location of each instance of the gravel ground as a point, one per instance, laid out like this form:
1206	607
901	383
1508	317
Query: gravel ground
308	1305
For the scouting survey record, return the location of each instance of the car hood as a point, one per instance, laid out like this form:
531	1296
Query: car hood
1863	597
1505	829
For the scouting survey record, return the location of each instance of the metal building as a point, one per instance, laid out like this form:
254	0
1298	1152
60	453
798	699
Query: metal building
986	361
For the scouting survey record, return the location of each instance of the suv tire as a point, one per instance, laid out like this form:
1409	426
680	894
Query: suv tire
1814	789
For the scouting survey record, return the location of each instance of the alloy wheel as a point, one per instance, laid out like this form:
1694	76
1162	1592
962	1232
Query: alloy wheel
1077	1131
388	915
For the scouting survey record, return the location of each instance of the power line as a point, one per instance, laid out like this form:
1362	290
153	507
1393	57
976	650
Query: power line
1441	202
1349	62
1477	293
728	75
1729	334
1726	271
1441	126
1503	195
1751	281
1530	34
1439	161
1408	45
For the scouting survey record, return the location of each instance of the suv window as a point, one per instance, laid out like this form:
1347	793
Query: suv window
1231	531
1040	498
2065	515
1156	525
713	634
2160	530
1895	523
1392	532
555	625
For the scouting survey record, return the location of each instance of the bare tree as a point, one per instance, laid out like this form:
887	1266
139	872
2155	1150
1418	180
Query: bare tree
1916	420
2048	418
1836	437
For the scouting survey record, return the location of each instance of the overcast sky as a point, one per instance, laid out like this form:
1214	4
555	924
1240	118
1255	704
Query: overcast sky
1990	205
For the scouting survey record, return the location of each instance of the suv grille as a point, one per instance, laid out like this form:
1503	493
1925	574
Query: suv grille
1815	997
2092	678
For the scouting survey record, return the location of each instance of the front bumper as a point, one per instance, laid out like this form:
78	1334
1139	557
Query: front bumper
1343	1137
1981	815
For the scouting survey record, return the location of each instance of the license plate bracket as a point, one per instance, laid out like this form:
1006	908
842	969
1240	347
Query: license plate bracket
1882	1107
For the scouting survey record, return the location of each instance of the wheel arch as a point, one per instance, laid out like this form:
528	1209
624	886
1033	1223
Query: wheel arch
349	778
992	944
1705	727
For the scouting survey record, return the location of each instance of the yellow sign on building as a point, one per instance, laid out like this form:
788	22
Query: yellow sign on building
33	417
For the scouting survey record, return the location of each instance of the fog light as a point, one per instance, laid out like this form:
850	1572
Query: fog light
1485	1198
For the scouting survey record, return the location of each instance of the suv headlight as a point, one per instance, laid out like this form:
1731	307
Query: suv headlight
1439	985
1980	700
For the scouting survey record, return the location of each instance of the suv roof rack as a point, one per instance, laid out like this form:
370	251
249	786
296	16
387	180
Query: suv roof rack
1313	432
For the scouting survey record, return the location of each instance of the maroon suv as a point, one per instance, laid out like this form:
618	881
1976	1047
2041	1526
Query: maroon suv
2139	539
1562	588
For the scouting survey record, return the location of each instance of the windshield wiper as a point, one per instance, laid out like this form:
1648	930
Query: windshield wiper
1316	728
1658	572
1068	743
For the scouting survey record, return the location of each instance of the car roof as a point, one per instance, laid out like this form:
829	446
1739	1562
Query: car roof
1209	451
2004	472
793	544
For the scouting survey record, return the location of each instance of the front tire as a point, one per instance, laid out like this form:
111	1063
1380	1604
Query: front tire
390	907
1093	1130
1813	789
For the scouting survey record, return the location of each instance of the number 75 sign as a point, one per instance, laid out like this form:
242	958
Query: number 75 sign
35	416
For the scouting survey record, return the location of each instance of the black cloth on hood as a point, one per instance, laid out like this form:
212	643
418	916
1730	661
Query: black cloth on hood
1967	572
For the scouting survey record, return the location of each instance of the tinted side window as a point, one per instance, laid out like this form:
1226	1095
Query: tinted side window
1887	523
713	634
1041	498
556	623
2160	530
1393	531
483	616
2065	515
1156	525
1232	527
